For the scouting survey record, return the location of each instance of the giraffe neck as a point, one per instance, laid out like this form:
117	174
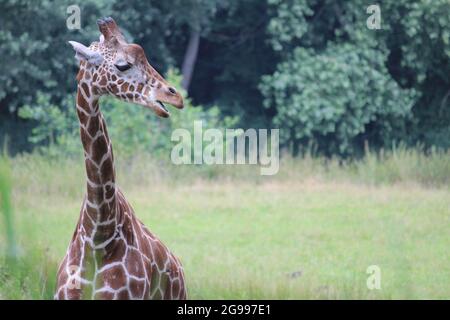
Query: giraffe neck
101	191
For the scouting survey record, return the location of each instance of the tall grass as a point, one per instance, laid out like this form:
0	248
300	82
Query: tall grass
399	166
195	204
6	207
24	273
66	177
38	173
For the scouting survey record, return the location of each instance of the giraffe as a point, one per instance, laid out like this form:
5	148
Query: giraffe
112	255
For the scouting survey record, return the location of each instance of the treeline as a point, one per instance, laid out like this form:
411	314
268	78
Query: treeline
312	68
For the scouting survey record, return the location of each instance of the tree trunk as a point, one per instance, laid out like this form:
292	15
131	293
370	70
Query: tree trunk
189	58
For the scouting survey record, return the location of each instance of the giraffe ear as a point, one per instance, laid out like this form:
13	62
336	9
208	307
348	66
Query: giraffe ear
83	53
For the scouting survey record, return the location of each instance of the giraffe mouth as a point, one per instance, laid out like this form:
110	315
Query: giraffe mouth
162	106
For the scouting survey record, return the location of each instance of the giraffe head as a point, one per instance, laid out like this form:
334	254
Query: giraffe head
113	66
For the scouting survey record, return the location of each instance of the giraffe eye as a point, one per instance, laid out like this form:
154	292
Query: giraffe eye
123	67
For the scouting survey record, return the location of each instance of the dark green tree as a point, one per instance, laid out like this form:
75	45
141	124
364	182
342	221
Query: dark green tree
340	83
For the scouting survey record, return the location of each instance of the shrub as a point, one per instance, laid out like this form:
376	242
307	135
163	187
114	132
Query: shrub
337	99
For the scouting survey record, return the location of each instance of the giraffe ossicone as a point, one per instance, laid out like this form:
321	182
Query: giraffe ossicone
112	255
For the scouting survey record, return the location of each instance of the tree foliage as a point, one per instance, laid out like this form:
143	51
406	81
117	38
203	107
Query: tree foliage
323	98
310	67
339	83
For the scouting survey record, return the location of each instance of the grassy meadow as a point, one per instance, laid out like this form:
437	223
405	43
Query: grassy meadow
310	232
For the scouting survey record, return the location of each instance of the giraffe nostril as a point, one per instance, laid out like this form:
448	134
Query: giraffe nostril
172	90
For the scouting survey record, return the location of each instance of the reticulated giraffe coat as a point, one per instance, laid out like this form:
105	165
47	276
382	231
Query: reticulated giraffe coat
112	255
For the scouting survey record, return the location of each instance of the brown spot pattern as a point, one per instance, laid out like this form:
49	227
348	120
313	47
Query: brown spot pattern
112	255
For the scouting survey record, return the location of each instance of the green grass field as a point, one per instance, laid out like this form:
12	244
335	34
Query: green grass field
308	233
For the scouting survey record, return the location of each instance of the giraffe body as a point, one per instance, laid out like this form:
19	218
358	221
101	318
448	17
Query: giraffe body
132	264
112	255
